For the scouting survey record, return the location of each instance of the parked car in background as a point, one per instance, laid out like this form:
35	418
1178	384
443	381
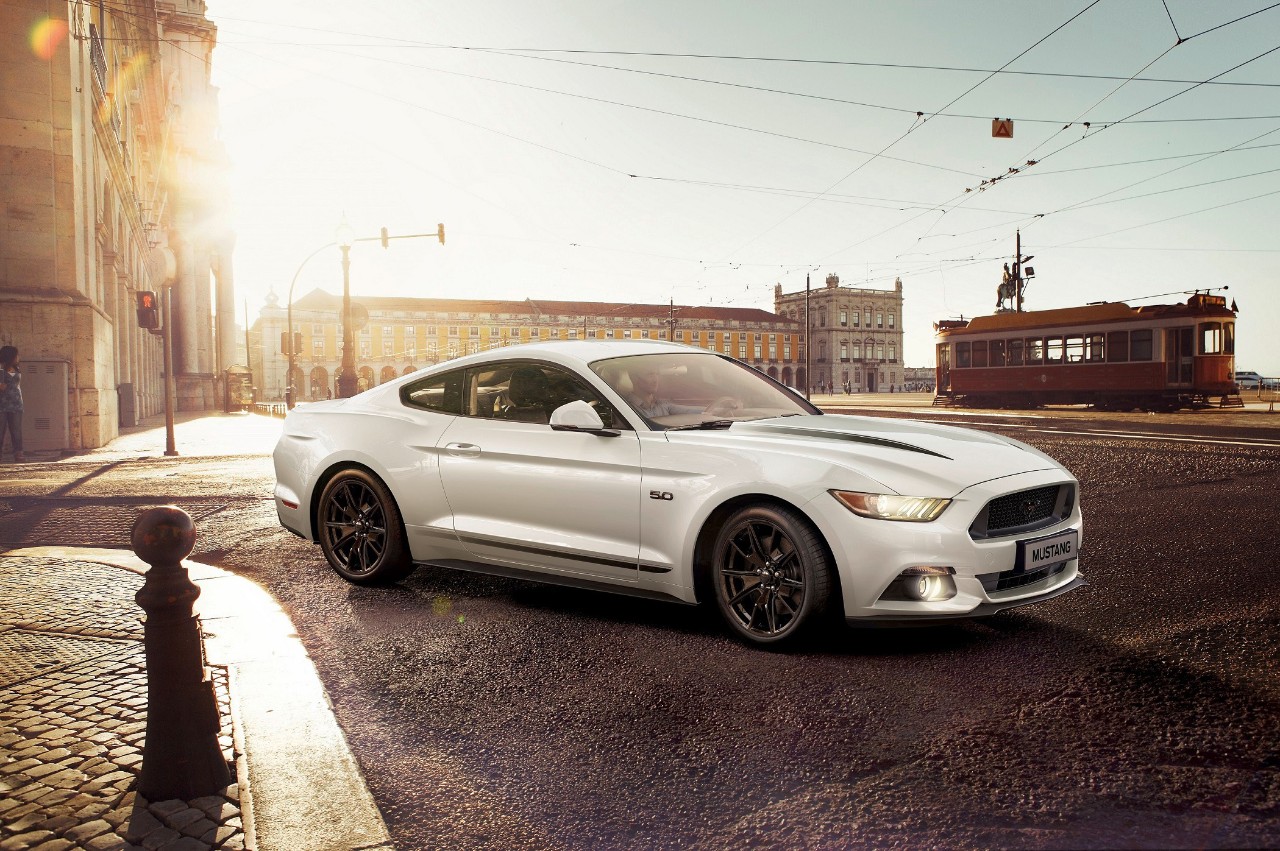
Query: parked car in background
1248	380
676	474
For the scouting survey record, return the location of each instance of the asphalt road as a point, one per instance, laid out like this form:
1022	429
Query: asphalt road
1140	712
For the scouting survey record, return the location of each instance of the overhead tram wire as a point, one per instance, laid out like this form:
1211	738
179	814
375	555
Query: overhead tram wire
398	41
654	110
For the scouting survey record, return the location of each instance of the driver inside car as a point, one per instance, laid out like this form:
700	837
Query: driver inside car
645	398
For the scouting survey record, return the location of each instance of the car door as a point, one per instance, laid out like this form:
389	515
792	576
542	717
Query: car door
525	495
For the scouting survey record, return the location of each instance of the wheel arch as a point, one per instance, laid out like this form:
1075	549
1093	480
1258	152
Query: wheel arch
704	545
332	472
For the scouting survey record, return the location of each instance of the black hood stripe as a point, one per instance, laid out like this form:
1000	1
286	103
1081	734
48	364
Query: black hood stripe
841	435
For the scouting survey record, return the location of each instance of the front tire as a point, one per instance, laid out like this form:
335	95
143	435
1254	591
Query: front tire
360	530
771	573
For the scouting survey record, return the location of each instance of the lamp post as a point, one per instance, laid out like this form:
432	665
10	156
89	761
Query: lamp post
347	380
288	381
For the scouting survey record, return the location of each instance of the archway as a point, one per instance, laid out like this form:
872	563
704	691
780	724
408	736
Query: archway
319	383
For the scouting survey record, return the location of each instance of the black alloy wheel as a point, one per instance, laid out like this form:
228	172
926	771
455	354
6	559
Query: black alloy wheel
772	576
360	530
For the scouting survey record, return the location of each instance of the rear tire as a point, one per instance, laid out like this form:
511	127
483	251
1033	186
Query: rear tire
771	574
360	530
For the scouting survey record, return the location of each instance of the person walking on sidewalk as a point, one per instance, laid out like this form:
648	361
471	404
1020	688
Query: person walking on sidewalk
11	401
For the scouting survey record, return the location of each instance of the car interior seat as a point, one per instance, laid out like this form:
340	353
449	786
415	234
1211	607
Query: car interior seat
529	393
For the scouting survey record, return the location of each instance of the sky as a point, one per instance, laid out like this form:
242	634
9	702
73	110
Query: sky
703	152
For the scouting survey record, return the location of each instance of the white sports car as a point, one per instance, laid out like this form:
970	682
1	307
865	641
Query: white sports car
678	474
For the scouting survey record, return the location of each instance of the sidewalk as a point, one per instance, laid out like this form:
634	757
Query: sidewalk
73	700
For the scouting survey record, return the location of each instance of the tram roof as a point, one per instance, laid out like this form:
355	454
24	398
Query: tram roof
1089	314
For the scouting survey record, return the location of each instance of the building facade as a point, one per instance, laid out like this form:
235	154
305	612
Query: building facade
110	172
855	334
395	336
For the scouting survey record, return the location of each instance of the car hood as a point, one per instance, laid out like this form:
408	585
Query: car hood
905	456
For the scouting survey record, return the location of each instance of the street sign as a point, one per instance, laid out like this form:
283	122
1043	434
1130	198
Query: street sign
1002	128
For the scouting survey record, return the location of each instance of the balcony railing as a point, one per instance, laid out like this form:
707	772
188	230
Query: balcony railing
98	58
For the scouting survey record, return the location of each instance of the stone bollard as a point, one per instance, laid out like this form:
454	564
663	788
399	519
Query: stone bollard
181	757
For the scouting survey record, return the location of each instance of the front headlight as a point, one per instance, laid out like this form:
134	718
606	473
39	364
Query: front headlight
885	506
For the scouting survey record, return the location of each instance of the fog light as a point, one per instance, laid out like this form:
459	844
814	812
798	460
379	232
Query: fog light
928	584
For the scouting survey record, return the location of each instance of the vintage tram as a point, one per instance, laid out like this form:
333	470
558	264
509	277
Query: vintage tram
1109	355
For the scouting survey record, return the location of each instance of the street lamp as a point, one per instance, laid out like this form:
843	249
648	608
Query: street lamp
347	380
289	392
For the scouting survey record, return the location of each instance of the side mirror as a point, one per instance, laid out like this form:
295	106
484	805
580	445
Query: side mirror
579	416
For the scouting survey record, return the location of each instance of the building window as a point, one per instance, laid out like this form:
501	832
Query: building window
742	351
592	334
857	351
844	318
680	336
757	351
573	333
626	334
645	333
867	314
317	348
891	320
366	349
786	351
453	330
893	352
879	319
879	351
475	331
844	351
857	319
430	330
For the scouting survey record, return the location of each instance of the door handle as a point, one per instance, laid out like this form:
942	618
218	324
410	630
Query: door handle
462	450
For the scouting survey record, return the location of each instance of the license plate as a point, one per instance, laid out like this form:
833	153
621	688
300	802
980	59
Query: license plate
1051	549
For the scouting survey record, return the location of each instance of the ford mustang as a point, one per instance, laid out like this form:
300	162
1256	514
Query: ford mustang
673	473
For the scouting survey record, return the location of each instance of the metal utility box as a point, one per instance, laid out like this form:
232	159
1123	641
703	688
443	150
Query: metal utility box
46	416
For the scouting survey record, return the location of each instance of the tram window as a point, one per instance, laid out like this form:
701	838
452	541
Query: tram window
1117	346
1034	350
1075	349
1095	351
1229	341
980	353
962	355
1053	350
1140	345
1015	353
997	352
1211	342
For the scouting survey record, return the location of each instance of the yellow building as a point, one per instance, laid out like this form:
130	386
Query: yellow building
395	336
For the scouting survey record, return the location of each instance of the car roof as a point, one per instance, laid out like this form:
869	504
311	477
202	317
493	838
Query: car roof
575	352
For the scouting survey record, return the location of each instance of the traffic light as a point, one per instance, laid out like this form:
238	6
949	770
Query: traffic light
385	237
148	309
284	342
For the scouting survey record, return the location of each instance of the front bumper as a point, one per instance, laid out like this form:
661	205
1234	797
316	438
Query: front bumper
871	554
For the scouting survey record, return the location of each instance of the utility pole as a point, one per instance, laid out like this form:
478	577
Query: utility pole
1017	272
808	332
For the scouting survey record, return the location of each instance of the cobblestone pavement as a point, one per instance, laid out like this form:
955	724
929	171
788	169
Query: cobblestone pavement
73	703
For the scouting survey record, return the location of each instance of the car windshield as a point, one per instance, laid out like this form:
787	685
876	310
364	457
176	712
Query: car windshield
679	390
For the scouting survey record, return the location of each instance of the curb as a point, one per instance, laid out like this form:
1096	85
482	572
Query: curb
300	785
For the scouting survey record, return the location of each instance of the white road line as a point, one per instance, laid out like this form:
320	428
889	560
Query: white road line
1265	443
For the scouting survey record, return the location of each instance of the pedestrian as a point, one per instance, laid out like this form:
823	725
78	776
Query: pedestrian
11	401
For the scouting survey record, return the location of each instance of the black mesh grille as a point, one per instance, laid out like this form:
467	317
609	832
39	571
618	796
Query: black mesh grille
992	582
1021	509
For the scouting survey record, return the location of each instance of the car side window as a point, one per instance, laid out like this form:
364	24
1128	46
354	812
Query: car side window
439	393
529	392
